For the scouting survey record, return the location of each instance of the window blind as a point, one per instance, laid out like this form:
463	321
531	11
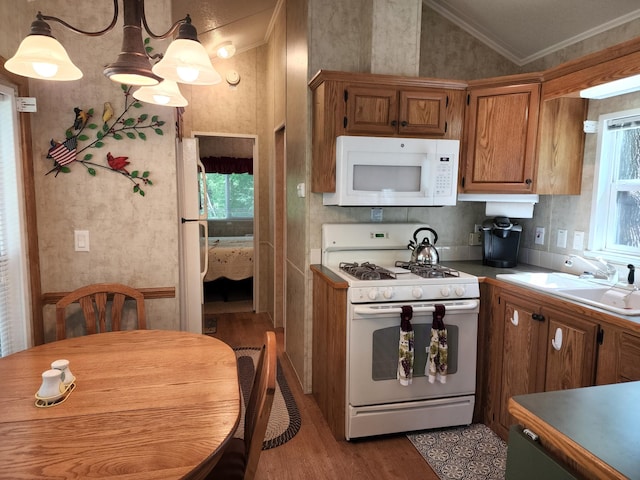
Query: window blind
13	318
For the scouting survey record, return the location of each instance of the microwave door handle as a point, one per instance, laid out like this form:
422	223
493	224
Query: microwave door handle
458	306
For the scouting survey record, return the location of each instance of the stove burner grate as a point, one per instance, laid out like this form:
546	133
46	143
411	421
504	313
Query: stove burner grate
366	271
427	270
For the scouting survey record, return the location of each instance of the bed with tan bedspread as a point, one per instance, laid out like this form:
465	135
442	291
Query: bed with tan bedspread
230	257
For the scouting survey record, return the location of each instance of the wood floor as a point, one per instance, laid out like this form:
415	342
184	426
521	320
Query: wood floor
314	454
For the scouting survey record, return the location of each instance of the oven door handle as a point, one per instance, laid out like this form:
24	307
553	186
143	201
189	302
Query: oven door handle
457	306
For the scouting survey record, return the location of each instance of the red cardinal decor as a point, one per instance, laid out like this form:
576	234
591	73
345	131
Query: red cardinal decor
118	163
83	136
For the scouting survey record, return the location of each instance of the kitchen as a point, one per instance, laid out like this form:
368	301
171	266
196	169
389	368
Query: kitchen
458	57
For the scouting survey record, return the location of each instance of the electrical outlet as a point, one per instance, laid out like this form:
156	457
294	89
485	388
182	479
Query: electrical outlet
578	240
477	227
539	240
475	238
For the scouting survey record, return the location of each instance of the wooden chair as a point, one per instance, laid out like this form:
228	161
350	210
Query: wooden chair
93	300
240	458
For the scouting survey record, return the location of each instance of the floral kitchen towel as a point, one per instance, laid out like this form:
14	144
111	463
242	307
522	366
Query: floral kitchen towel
437	350
405	350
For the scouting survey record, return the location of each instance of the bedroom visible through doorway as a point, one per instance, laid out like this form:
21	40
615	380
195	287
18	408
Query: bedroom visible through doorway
230	280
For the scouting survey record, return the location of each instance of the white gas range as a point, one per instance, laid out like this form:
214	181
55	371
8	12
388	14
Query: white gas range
375	261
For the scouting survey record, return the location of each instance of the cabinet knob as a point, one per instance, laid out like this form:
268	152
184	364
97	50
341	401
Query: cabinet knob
528	181
394	123
538	317
404	123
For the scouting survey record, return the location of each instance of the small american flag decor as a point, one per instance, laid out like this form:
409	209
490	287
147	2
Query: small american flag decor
65	152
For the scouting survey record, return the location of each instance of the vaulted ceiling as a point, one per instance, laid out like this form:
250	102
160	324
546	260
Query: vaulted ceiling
520	30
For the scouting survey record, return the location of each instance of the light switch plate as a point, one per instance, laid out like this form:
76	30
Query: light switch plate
562	239
81	240
578	240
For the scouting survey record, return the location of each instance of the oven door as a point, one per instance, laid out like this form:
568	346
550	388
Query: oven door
374	334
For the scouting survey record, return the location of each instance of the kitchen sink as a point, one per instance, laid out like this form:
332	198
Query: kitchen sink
613	299
548	281
594	292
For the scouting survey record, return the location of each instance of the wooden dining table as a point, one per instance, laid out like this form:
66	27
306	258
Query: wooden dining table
147	404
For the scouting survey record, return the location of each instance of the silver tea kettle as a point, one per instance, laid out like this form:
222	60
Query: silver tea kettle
424	252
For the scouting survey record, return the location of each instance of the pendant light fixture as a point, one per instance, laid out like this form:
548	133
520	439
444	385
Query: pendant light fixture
41	56
166	93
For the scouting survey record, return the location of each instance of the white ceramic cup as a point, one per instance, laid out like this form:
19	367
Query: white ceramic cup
63	366
52	387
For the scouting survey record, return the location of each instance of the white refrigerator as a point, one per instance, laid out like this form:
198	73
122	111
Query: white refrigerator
192	212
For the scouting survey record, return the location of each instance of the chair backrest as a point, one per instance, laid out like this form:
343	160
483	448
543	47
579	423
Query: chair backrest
93	300
259	405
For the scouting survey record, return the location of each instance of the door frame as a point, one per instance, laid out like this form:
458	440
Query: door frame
280	230
256	205
21	84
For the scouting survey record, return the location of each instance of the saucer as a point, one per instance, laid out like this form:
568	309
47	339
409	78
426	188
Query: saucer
55	399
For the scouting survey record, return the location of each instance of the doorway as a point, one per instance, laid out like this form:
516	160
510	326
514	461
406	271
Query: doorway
231	278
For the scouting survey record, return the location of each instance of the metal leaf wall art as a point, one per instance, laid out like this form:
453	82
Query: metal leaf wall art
124	126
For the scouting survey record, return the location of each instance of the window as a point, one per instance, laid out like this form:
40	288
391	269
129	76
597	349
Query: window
616	201
230	196
14	327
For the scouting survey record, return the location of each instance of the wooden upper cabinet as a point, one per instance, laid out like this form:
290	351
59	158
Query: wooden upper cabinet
501	131
561	146
389	111
367	104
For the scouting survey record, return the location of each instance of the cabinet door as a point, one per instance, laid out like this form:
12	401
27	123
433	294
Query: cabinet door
523	352
422	112
571	351
628	355
501	139
371	110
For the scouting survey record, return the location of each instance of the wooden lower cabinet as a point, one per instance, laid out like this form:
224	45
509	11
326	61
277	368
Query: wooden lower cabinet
519	355
329	356
526	356
571	351
618	356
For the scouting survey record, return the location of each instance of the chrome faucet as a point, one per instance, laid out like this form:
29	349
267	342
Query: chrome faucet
597	268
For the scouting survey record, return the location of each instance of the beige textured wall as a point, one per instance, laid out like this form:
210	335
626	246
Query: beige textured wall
13	31
340	35
298	318
447	51
221	108
395	37
134	239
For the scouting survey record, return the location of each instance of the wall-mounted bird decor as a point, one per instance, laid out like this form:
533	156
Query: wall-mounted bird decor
67	152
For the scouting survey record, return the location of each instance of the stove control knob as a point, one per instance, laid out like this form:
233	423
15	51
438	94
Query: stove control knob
445	291
388	293
460	291
373	294
416	292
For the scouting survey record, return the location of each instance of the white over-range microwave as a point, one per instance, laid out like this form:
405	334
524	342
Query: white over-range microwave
391	171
